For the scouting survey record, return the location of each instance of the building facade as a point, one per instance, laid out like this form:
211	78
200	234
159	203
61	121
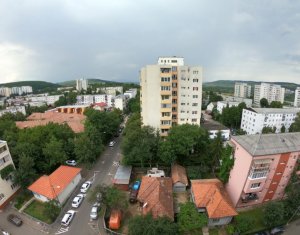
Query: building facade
271	92
171	94
242	89
255	119
81	84
263	165
297	98
7	187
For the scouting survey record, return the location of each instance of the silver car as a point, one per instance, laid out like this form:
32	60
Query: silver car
94	211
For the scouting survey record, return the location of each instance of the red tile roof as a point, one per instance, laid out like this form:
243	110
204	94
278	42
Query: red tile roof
212	195
179	174
73	120
51	186
157	193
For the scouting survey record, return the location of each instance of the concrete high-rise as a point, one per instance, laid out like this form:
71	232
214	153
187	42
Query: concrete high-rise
297	97
81	84
271	92
242	89
171	94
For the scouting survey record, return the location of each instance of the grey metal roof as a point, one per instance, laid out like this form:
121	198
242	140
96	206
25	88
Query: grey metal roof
266	144
123	173
275	110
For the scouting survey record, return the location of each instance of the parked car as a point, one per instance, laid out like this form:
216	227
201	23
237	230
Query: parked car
277	230
95	210
77	200
133	196
112	143
136	185
2	232
14	219
66	220
71	162
85	187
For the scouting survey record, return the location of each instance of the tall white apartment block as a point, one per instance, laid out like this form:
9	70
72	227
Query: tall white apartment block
16	90
81	84
255	119
271	92
242	89
108	99
111	90
297	97
7	187
5	91
119	102
131	93
171	94
26	89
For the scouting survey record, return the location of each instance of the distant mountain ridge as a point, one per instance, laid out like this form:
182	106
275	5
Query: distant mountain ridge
90	81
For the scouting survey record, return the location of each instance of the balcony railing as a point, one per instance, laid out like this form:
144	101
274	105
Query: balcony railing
249	197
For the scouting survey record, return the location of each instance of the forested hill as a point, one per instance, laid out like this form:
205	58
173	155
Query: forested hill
37	86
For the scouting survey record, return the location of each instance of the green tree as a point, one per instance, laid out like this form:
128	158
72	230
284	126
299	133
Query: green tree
264	103
61	101
51	210
166	152
295	127
283	129
273	213
146	225
243	224
25	173
134	105
216	151
275	104
227	162
268	129
190	219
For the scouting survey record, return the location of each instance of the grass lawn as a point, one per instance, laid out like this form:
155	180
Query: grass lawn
36	210
213	231
257	215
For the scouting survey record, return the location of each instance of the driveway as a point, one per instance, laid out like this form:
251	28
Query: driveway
293	228
101	173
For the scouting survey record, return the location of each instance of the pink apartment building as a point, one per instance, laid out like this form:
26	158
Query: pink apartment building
263	165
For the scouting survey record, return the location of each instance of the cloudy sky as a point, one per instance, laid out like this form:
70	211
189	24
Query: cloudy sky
60	40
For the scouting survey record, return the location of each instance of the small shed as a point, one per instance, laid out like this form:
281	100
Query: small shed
122	177
179	178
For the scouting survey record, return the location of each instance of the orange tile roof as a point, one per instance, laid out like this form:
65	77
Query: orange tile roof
212	195
73	120
179	174
157	193
51	186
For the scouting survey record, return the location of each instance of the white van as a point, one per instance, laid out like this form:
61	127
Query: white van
67	218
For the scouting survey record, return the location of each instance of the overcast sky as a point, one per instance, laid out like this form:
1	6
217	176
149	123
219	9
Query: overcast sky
58	40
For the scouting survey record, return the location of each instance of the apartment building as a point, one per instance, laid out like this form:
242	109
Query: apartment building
171	94
7	187
44	99
120	102
223	104
13	110
263	165
81	84
5	91
255	119
297	97
131	93
271	92
242	89
111	90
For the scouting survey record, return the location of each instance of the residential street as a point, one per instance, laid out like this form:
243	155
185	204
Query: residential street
103	171
293	228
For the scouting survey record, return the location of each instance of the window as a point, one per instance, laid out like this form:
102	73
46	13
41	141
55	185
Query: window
2	149
195	80
255	185
165	79
165	106
195	88
165	122
182	104
165	97
195	104
165	88
195	72
166	114
195	96
194	119
194	112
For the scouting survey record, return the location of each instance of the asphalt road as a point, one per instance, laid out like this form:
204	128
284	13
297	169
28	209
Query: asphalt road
101	173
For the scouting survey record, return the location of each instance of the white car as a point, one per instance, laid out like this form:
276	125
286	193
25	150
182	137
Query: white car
71	162
85	187
77	200
66	220
111	143
95	210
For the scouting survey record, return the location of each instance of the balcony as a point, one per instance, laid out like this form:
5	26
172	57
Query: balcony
249	197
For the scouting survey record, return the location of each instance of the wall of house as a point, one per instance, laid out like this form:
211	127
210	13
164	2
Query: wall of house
62	197
220	221
239	173
40	197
